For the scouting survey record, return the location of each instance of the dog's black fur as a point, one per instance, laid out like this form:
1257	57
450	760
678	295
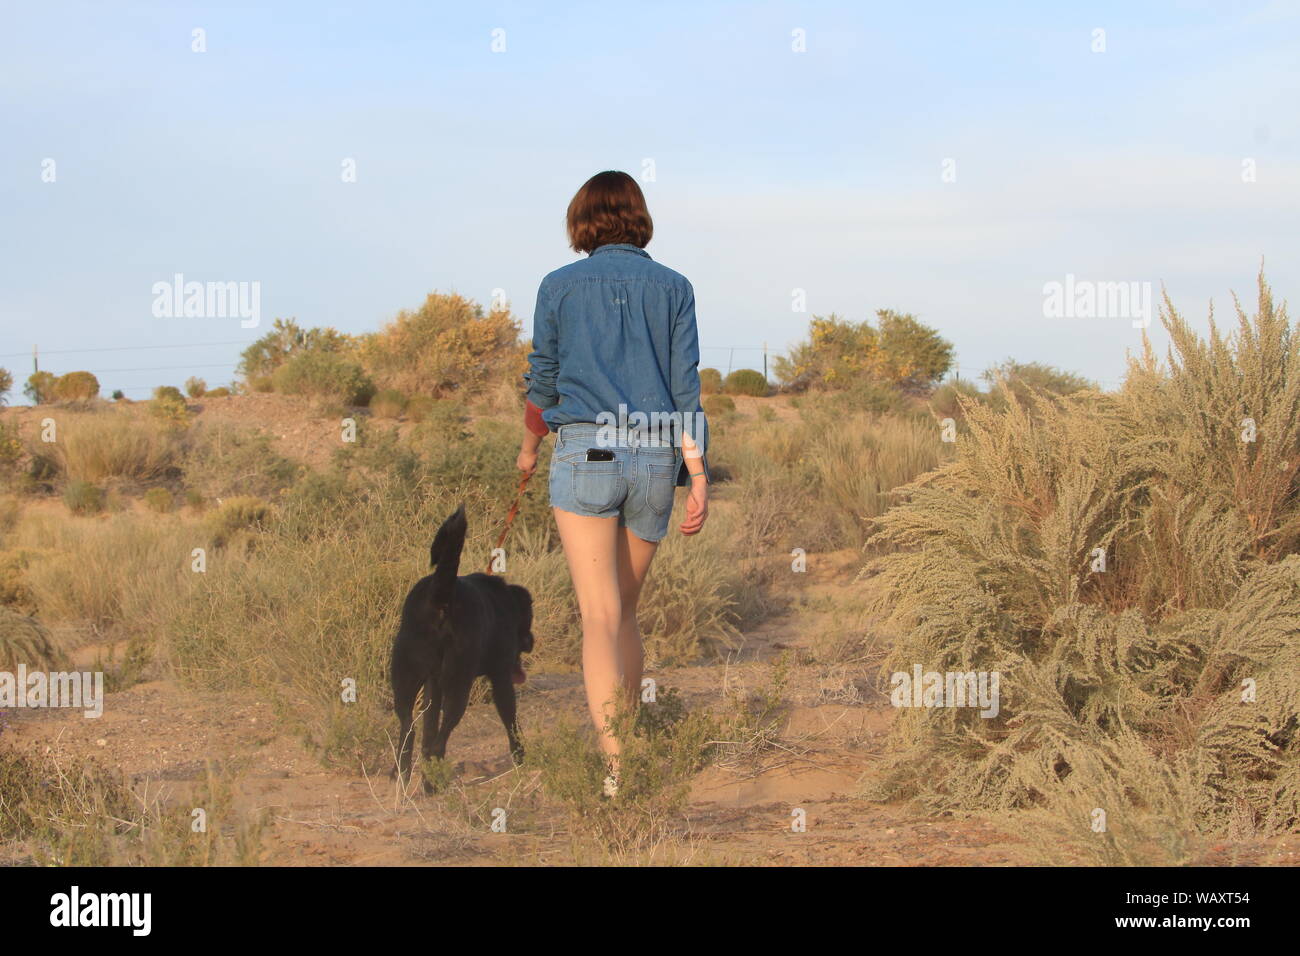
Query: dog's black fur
453	630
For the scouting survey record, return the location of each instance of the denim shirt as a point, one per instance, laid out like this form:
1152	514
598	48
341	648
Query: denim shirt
616	332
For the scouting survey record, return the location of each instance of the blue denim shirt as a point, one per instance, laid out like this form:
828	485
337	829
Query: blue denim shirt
616	331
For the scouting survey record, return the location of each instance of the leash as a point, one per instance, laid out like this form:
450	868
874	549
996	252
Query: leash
510	515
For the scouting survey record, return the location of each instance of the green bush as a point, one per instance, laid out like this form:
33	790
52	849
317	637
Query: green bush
745	381
40	387
6	384
83	498
1024	378
11	447
234	515
118	395
719	405
898	351
159	500
710	381
946	400
195	387
388	403
168	406
286	340
325	376
419	407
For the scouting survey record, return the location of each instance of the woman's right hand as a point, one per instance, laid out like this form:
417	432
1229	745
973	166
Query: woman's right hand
697	506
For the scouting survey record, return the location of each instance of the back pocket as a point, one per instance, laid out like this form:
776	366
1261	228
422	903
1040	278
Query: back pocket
598	485
661	484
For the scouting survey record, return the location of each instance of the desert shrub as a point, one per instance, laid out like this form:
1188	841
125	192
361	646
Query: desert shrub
10	510
1158	685
710	381
419	407
219	392
118	395
947	398
40	387
11	449
388	403
898	351
6	385
286	340
325	376
83	498
663	746
234	515
846	465
159	500
447	345
23	640
194	499
56	811
221	460
745	381
195	387
1024	378
168	406
443	418
76	387
96	448
718	405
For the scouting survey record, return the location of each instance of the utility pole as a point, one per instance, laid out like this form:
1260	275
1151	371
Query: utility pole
765	361
36	364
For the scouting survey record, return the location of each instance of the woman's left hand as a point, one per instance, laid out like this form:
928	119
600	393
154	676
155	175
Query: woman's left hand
527	461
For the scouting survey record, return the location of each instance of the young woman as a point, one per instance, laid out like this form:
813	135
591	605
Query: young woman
614	345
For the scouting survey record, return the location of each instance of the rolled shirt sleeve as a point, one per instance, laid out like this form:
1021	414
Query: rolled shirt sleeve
685	380
544	360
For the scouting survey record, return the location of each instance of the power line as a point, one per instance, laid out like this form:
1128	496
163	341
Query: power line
126	348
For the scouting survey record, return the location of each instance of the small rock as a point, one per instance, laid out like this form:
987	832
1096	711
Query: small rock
101	742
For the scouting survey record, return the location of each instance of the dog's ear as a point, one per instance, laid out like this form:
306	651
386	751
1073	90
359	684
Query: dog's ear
445	555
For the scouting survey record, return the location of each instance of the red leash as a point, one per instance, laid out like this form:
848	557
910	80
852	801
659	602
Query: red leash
510	516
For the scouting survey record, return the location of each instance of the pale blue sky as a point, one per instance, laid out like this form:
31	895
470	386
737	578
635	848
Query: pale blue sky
775	170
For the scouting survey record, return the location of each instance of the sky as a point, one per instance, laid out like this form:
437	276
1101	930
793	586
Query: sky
947	160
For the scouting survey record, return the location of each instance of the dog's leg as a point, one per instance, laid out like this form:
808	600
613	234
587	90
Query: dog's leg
503	695
432	713
406	686
455	700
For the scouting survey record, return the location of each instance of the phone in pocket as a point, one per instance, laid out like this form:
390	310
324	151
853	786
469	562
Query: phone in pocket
600	454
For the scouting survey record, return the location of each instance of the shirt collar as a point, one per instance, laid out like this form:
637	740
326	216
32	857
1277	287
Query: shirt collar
621	247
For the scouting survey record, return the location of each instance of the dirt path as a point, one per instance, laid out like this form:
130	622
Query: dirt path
165	737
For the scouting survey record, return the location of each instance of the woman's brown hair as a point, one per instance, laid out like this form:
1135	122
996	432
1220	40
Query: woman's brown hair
609	207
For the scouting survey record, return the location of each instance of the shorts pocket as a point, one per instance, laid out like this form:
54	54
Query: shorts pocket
598	485
661	483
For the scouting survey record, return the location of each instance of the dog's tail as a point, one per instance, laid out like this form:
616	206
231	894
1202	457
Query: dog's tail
445	555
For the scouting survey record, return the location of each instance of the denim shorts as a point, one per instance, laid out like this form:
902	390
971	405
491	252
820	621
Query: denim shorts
637	486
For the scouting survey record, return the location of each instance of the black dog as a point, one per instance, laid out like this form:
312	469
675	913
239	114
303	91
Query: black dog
453	630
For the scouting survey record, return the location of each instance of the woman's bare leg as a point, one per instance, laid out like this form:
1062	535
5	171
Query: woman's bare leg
634	557
591	549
